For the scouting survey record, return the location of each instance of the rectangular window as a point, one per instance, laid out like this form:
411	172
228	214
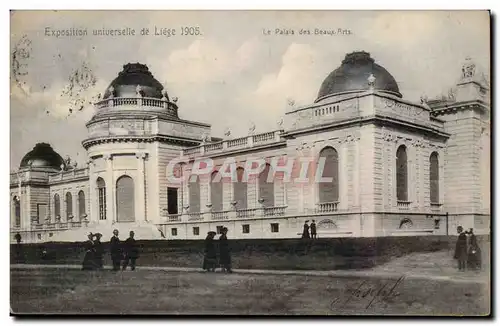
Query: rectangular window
275	227
174	232
172	198
102	203
219	229
246	228
41	213
39	235
196	230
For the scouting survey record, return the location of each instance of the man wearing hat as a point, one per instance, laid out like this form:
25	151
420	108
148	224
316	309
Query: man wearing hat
225	252
115	250
130	252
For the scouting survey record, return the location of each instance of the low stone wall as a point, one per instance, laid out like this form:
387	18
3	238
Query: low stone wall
319	254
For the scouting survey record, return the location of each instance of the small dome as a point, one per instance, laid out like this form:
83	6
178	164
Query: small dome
353	75
133	75
44	156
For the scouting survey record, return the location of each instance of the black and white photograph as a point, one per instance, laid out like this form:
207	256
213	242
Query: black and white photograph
272	162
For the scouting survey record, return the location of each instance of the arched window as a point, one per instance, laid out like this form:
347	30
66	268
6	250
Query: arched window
266	189
101	195
194	193
125	199
81	204
57	206
402	174
240	189
329	191
16	202
434	177
69	206
216	192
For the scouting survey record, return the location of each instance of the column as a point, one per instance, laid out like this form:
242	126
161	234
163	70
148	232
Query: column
93	207
141	197
344	175
110	189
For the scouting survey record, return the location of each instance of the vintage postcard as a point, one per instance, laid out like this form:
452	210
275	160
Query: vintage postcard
250	162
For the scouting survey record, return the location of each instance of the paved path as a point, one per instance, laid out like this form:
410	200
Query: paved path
337	273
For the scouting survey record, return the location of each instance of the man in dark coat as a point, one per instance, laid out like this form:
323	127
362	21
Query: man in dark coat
98	250
224	252
210	257
313	230
130	252
305	232
461	249
88	260
115	250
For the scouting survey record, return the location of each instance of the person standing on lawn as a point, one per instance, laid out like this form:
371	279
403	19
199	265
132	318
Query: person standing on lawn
89	258
461	249
130	252
474	253
305	232
210	257
115	250
313	230
224	252
98	251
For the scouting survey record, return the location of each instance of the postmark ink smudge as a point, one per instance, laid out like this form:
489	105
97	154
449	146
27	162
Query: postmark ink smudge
20	58
80	81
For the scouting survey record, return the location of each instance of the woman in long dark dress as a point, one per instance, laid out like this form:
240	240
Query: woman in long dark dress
89	258
225	252
98	251
305	232
474	254
210	257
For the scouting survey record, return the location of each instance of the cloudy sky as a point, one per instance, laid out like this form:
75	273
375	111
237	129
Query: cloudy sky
230	75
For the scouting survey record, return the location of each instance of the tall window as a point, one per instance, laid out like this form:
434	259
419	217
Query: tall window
57	206
329	191
194	193
16	201
81	203
69	206
125	199
434	177
240	189
266	189
101	195
402	174
216	192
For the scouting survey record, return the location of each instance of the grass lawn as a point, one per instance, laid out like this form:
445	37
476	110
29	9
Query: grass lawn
146	292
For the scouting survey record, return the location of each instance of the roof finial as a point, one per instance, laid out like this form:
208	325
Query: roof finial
371	81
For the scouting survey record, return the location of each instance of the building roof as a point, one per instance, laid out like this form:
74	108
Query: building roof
133	75
353	75
42	155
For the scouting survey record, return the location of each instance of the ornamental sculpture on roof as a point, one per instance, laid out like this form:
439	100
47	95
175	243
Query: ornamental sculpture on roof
468	69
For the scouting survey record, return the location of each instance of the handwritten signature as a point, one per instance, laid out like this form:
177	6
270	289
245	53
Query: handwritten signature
368	293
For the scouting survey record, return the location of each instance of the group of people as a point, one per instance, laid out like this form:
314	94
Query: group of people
122	254
467	250
210	262
311	228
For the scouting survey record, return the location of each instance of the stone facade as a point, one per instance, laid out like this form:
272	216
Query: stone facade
137	145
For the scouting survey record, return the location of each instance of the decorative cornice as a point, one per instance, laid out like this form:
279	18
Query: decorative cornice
140	139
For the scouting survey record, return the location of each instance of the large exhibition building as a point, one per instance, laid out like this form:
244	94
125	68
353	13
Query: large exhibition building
360	160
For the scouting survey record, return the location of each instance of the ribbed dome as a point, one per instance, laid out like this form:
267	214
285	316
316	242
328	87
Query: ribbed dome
353	75
42	155
132	75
